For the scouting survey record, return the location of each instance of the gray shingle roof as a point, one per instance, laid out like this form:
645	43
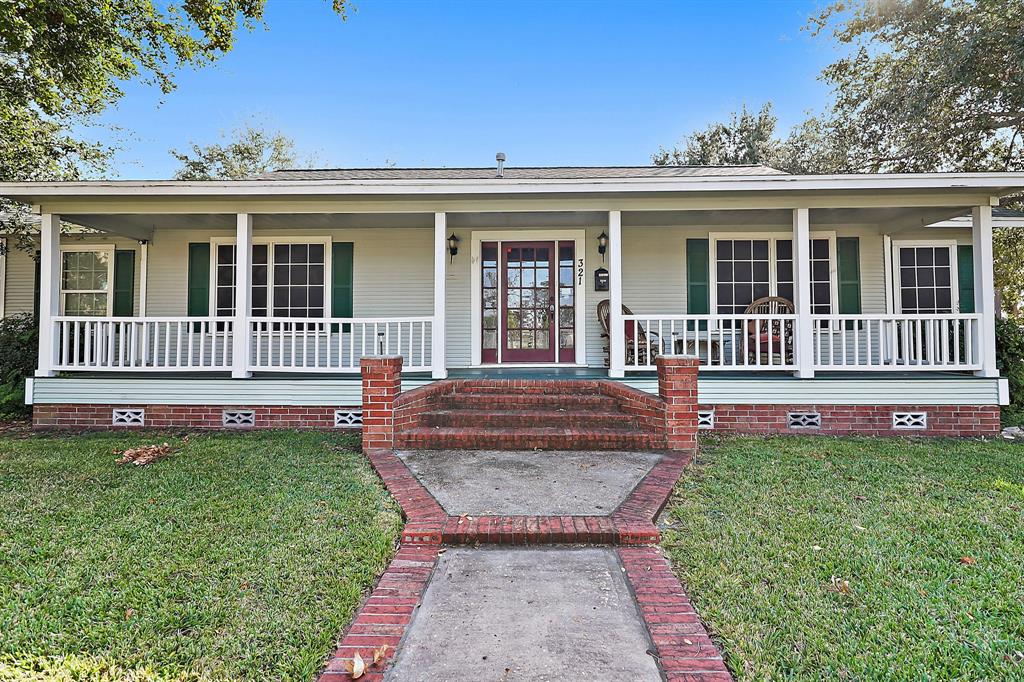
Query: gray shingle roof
517	173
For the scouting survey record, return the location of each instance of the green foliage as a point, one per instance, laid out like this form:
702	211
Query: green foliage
928	533
19	349
62	62
238	557
746	139
252	150
1010	359
1008	268
927	85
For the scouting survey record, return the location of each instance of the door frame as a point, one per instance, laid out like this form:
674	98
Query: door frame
526	235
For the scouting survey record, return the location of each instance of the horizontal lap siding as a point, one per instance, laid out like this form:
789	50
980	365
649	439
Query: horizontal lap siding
392	268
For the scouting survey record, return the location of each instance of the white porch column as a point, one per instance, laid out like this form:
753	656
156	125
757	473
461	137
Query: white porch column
49	293
143	276
984	288
616	330
240	336
438	368
804	332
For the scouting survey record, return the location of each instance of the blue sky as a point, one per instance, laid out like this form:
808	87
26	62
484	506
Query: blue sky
450	83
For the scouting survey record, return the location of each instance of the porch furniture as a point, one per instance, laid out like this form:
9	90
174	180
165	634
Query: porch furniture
768	337
638	340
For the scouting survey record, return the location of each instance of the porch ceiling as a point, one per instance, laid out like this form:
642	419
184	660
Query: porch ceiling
888	219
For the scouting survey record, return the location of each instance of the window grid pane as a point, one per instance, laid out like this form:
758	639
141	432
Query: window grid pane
84	282
925	280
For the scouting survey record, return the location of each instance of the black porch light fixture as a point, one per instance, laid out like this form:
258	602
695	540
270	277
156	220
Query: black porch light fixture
602	245
453	246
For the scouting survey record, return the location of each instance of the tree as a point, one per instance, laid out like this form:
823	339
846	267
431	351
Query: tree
928	85
746	138
62	62
250	151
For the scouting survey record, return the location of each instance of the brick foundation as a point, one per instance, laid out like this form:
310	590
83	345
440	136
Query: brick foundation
65	416
868	420
677	387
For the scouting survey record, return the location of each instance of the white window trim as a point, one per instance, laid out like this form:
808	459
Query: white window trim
773	275
954	265
476	299
88	248
270	241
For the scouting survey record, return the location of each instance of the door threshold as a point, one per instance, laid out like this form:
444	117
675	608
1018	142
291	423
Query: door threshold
515	365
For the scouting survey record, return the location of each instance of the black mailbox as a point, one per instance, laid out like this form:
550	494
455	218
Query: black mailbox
600	280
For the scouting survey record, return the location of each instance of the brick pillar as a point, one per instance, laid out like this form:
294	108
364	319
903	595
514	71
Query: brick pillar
677	386
382	382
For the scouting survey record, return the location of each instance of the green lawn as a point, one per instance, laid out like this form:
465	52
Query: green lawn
240	557
759	527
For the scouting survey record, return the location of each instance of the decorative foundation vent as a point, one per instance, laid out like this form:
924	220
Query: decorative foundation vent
128	418
706	419
909	420
239	418
348	419
804	420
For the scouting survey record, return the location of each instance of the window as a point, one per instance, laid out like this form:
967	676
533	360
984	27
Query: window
925	276
749	269
85	280
288	280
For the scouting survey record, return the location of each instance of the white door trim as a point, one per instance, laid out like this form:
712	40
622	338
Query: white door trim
579	237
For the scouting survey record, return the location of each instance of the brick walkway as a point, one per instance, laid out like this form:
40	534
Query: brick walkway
682	646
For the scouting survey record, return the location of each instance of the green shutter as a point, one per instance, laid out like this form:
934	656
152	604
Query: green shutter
199	279
698	282
341	280
124	283
848	265
965	276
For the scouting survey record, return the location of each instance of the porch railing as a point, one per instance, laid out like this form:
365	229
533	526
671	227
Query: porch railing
943	342
164	344
143	343
722	342
897	342
335	345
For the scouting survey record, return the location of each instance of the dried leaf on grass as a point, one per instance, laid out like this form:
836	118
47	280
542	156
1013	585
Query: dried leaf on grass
144	454
968	560
840	586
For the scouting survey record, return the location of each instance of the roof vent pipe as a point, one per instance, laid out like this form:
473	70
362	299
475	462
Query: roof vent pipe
500	158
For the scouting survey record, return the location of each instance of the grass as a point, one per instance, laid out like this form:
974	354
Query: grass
240	557
929	535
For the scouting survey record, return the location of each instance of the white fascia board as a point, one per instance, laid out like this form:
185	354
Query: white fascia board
966	222
994	183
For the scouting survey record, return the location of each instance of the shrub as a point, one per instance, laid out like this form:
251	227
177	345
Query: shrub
1010	360
19	349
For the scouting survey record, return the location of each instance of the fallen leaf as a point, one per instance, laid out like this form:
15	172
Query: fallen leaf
144	454
356	667
380	652
860	498
840	586
968	560
129	613
817	548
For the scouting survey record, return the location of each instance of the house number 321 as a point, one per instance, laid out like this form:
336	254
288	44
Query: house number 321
579	272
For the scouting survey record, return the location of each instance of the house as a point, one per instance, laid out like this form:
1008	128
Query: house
876	294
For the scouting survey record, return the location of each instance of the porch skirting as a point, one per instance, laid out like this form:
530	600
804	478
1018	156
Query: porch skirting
71	416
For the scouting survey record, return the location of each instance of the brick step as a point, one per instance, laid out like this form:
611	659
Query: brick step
523	401
534	438
566	418
537	387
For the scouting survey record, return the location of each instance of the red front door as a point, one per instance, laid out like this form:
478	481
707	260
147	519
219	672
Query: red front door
528	324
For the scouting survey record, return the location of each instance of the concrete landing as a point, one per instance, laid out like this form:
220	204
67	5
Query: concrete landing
506	483
526	614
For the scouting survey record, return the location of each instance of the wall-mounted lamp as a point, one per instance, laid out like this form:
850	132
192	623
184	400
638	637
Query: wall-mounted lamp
453	246
602	245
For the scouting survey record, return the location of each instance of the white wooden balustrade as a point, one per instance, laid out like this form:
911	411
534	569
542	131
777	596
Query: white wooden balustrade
897	342
942	342
206	344
142	343
722	342
335	345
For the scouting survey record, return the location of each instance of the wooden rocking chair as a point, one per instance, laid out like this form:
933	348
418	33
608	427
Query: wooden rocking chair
776	334
634	332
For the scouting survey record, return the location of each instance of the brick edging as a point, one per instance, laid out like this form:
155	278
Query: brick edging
632	523
385	615
684	648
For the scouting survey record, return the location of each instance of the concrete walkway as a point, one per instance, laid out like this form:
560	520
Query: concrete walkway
462	601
